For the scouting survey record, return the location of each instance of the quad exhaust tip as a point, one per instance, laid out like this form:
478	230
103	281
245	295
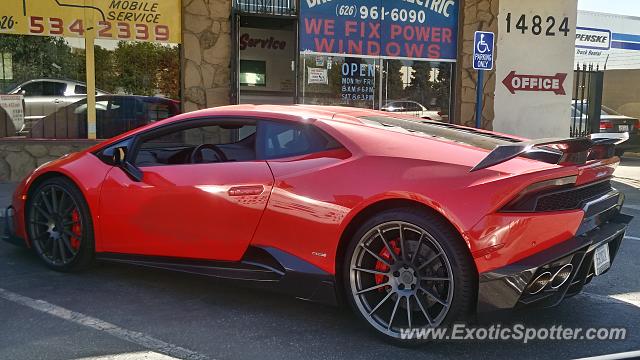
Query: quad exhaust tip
561	276
539	283
553	280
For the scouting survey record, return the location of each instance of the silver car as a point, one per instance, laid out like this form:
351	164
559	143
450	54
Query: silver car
45	96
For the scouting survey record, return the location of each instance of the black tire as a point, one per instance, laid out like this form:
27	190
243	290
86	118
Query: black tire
460	272
619	152
66	208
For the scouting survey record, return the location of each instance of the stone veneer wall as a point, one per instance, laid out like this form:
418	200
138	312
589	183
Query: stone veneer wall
19	156
475	15
206	53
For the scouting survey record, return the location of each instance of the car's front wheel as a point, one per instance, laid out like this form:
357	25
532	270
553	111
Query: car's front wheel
407	269
59	225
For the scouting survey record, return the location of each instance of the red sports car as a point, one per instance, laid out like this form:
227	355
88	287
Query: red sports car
414	223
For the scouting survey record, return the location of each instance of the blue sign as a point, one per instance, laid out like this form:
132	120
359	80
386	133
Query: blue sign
483	50
393	29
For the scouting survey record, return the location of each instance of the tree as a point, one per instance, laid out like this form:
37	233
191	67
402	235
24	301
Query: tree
145	68
420	89
393	83
41	57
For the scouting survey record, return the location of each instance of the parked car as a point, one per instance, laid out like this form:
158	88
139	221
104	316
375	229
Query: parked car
46	96
611	122
413	224
411	108
115	114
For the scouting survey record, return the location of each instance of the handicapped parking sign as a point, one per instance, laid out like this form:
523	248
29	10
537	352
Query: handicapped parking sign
483	50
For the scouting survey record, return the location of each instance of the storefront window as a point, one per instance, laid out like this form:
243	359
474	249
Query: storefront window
394	56
372	83
135	63
337	80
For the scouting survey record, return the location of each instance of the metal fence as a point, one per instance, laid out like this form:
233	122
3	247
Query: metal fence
586	105
266	7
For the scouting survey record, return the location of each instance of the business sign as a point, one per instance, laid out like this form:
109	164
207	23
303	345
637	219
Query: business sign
13	105
592	38
483	44
110	19
358	81
317	76
264	43
416	29
521	82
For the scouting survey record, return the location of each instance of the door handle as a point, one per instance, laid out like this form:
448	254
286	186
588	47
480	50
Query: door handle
246	190
57	101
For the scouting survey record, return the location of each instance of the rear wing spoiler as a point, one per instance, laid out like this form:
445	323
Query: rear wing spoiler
572	150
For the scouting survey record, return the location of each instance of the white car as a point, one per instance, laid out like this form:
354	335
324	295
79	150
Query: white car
408	107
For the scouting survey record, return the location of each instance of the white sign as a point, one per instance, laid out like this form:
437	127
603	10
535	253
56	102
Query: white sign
535	46
592	38
12	104
317	76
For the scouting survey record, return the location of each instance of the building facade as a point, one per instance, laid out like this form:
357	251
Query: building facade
413	56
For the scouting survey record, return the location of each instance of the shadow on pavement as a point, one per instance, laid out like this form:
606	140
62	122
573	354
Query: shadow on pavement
225	320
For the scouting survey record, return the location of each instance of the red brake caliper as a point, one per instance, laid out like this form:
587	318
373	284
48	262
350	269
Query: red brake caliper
380	266
76	229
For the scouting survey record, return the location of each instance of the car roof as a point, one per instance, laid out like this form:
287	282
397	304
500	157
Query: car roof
302	113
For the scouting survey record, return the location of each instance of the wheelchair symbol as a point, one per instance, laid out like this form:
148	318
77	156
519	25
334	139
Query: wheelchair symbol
482	45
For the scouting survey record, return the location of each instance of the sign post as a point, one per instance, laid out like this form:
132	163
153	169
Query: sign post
483	46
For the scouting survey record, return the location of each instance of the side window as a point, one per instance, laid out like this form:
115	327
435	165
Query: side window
281	139
50	88
33	89
156	110
80	90
200	144
410	106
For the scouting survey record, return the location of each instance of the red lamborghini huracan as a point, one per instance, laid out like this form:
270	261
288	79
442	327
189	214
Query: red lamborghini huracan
414	223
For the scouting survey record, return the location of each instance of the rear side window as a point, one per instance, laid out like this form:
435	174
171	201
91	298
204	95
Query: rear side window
44	88
280	140
157	110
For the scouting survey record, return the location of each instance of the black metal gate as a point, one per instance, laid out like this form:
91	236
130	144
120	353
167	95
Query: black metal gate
586	105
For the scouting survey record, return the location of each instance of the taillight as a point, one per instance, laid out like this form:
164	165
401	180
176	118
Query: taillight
440	113
637	125
604	125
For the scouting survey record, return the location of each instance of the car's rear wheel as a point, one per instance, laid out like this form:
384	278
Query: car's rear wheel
59	225
407	269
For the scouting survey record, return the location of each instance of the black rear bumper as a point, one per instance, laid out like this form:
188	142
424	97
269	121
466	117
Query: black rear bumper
9	232
508	287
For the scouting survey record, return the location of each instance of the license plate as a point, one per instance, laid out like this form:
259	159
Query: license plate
601	260
623	127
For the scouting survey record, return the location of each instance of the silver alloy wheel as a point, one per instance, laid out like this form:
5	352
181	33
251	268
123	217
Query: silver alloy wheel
399	267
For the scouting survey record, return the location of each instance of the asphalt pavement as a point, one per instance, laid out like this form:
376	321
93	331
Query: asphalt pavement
125	312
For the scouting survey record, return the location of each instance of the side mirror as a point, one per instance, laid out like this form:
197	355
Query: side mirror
119	156
120	160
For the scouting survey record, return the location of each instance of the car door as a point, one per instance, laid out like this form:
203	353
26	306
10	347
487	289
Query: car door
42	97
203	209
